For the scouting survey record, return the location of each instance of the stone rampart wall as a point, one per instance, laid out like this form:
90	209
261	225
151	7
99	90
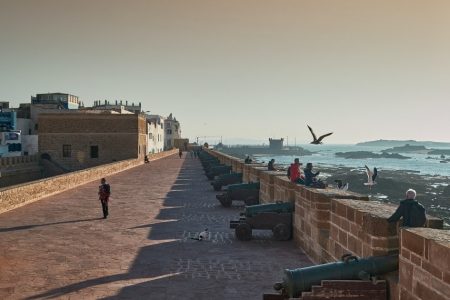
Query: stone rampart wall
18	195
329	223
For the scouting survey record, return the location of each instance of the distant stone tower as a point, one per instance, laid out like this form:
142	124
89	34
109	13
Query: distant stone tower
275	144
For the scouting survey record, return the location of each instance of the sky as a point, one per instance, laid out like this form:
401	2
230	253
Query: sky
242	69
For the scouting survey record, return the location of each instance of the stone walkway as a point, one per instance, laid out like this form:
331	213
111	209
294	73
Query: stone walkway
61	248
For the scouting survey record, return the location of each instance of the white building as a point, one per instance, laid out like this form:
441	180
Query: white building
155	133
172	131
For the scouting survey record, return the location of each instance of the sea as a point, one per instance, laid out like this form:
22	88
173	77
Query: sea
324	155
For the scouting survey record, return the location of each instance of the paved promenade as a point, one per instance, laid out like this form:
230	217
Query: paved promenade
62	248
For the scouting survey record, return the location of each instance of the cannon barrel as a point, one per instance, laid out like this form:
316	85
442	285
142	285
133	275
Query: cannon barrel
226	179
243	186
300	280
209	164
278	207
219	170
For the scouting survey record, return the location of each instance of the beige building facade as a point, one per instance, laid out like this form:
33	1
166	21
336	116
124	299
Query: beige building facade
80	140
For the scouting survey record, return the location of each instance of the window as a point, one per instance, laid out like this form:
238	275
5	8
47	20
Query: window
67	150
169	131
36	126
94	151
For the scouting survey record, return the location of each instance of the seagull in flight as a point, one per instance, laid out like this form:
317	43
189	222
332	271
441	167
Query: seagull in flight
371	177
316	140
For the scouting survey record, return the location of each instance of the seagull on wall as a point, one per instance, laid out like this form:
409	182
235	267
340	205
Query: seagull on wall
316	140
340	185
371	176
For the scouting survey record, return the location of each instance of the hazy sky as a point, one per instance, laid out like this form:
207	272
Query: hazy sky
242	68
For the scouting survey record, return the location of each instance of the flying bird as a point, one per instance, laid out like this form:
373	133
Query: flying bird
316	140
371	176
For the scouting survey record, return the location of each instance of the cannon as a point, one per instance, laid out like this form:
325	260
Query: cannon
226	179
216	171
350	267
210	163
247	192
271	216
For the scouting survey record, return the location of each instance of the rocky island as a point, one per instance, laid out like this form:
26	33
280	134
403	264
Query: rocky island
368	154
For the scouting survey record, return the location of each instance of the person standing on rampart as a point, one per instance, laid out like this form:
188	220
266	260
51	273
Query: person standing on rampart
412	212
104	191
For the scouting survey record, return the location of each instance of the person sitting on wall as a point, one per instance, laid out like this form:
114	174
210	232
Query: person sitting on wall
295	174
411	211
271	166
248	160
146	160
311	177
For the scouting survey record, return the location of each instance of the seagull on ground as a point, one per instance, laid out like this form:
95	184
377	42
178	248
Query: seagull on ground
316	140
371	176
202	235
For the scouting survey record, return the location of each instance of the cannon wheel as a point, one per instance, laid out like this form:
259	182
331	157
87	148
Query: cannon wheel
217	187
226	201
281	232
251	201
243	232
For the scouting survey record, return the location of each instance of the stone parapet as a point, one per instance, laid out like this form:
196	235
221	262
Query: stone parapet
424	265
283	188
312	219
237	165
22	194
250	172
267	186
18	160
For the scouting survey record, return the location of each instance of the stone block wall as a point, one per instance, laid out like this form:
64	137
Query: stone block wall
283	189
424	264
255	172
18	169
237	165
249	174
19	195
267	190
312	219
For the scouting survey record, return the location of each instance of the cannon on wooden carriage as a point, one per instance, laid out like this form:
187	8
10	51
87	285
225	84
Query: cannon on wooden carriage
218	170
246	192
270	216
208	164
350	267
226	179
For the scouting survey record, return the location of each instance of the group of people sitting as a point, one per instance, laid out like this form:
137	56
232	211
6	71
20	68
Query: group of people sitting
411	212
308	177
295	174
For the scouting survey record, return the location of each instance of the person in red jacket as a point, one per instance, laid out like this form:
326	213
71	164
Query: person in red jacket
295	173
